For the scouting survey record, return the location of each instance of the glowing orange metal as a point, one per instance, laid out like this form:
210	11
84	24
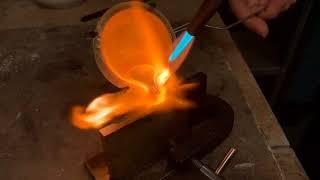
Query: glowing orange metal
135	45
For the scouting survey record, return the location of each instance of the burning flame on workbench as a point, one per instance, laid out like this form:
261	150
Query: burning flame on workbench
135	45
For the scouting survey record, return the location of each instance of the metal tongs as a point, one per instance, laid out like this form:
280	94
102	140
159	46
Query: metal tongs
226	27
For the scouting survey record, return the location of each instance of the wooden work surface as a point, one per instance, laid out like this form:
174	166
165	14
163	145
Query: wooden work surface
47	65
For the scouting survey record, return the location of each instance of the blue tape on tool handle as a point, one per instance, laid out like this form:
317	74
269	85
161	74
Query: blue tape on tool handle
184	42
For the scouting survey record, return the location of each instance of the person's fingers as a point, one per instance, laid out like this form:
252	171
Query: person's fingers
251	3
241	10
254	4
273	9
257	25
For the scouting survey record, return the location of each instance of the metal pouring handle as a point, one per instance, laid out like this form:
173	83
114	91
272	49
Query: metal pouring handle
207	9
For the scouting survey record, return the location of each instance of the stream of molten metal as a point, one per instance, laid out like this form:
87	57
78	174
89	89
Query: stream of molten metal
135	45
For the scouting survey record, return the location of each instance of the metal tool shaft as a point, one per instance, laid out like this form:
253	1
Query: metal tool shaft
205	170
225	160
226	27
207	9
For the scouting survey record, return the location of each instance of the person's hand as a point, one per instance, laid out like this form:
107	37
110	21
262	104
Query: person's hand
268	9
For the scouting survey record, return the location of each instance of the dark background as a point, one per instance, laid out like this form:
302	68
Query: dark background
286	66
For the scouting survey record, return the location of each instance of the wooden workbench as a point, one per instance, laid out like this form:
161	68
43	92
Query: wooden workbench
46	66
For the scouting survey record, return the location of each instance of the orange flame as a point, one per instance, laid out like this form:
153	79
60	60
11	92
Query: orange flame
135	45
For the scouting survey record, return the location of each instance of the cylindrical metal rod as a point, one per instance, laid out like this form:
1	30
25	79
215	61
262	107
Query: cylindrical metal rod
225	160
205	170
